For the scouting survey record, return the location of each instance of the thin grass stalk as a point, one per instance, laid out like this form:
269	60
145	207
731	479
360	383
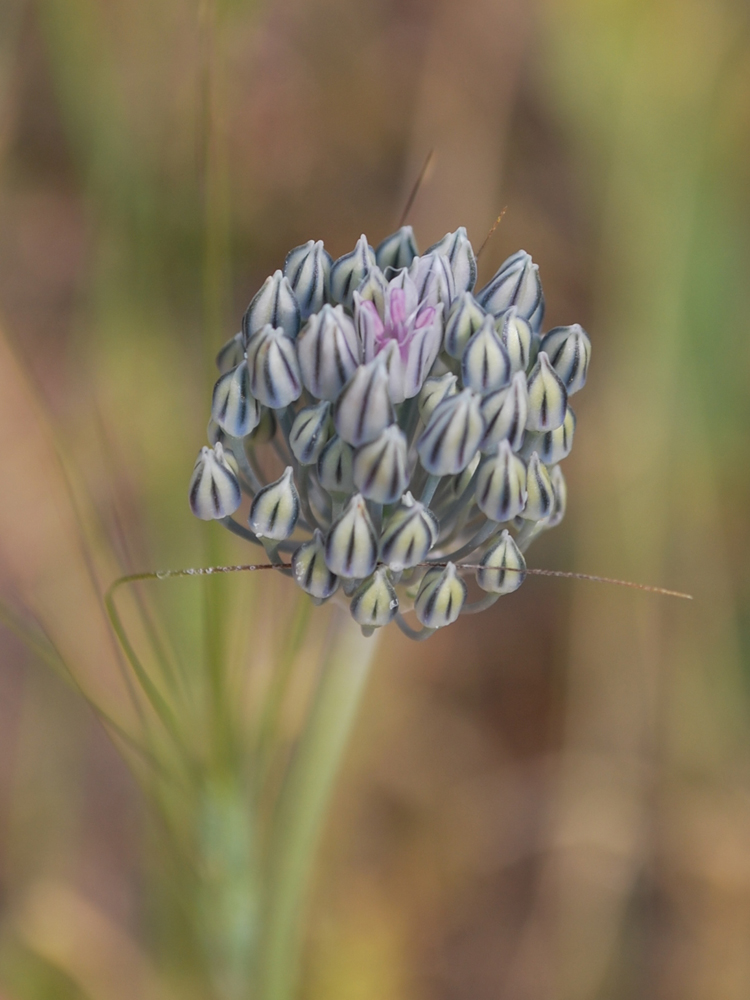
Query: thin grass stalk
303	803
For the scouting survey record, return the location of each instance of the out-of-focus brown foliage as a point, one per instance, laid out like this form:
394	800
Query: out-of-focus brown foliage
552	799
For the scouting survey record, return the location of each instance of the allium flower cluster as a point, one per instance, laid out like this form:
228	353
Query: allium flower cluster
386	422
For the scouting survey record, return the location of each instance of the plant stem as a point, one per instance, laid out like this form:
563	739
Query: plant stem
303	802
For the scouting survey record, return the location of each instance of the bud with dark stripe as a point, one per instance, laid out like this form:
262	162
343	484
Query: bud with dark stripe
569	351
348	272
275	377
408	535
503	568
310	431
308	268
275	508
553	446
541	496
380	467
434	391
501	485
560	490
374	603
517	284
329	352
485	365
274	305
398	250
433	279
231	353
548	400
441	597
452	436
465	318
352	545
364	408
505	413
214	491
233	407
310	571
336	466
457	248
517	337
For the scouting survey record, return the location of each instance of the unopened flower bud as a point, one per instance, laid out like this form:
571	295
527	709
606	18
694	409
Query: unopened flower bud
433	279
329	352
310	571
548	399
452	436
233	407
569	351
553	446
505	413
274	305
374	603
214	491
408	535
539	489
397	250
364	408
231	354
308	268
274	371
310	431
485	365
501	485
434	391
516	284
348	271
336	466
380	472
372	288
441	596
464	319
275	508
517	336
352	545
457	248
560	491
503	568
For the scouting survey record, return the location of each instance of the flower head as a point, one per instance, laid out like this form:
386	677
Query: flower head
388	422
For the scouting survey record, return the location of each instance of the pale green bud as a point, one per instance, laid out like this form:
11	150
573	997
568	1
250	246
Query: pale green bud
457	248
308	268
408	535
374	602
515	284
231	353
485	365
517	337
352	545
329	352
539	489
548	399
434	391
233	407
441	596
275	508
397	250
505	413
380	471
274	305
214	491
501	485
310	431
310	571
364	408
348	272
503	568
275	377
569	351
464	319
336	466
451	438
555	445
372	288
560	490
433	279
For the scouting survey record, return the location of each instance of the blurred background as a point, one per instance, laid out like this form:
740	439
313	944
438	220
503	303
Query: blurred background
550	801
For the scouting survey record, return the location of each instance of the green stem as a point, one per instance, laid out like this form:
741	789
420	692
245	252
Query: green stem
303	802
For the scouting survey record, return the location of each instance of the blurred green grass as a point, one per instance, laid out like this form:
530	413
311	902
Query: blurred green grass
552	799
